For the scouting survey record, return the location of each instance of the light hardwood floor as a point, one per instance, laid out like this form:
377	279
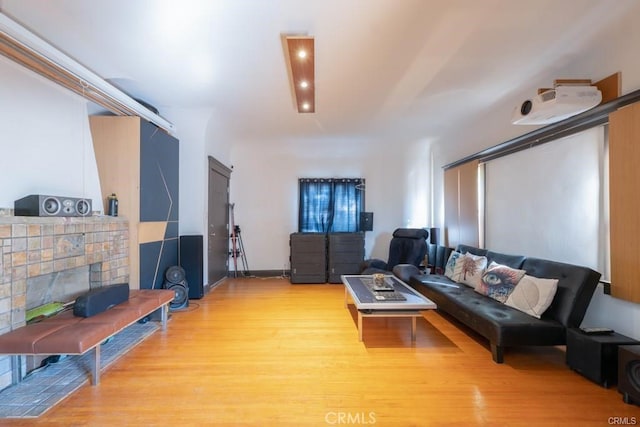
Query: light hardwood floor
263	352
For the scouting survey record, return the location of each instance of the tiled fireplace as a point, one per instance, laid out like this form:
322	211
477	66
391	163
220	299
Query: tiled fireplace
32	247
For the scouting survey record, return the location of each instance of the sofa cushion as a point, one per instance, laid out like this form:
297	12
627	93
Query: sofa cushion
471	249
469	269
450	266
576	285
533	295
513	261
499	281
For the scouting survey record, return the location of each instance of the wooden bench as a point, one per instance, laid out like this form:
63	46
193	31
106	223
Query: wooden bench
66	334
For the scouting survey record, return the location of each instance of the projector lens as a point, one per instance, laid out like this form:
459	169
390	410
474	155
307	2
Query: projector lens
526	107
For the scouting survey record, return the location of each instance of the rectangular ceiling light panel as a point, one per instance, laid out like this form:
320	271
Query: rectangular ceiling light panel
301	61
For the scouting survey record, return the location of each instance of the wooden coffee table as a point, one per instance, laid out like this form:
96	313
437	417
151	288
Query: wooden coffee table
402	302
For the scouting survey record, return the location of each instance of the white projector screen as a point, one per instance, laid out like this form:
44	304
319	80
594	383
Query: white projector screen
550	201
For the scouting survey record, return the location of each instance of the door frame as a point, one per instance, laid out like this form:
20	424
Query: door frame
215	166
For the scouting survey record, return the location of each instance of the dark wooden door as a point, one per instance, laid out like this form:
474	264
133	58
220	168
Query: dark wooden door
218	228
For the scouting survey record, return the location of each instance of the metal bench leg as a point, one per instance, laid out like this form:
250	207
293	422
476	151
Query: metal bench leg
16	369
95	375
163	316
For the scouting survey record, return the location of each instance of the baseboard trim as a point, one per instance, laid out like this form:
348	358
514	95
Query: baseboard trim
262	273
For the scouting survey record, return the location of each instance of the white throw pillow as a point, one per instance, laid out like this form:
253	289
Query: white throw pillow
533	295
499	281
469	269
451	265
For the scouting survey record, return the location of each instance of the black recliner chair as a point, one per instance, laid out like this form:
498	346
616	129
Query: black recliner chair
408	246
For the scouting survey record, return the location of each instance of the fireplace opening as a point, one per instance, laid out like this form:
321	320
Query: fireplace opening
60	286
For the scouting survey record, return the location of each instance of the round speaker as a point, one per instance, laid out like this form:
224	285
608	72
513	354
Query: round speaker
633	374
83	207
181	294
175	274
51	206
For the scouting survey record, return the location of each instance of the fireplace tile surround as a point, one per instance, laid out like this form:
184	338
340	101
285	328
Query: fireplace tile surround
35	246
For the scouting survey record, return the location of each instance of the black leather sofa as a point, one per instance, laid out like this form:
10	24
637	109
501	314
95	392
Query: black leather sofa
502	325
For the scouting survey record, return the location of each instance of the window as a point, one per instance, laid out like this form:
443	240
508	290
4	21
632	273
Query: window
330	204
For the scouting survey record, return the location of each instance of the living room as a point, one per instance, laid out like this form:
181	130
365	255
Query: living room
47	147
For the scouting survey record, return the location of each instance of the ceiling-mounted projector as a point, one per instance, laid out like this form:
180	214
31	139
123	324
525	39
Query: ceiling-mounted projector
556	104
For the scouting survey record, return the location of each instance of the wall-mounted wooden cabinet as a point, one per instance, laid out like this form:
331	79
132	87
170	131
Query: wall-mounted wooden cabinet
624	203
139	163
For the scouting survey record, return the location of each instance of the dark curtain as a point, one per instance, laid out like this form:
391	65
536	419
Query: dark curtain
330	205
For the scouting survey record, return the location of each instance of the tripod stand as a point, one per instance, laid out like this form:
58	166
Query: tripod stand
237	247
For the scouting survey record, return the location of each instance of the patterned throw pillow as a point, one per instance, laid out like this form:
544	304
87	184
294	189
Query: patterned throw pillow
469	269
499	281
451	265
533	295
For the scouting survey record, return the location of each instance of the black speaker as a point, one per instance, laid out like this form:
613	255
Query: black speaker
434	235
100	299
181	295
174	280
175	274
595	356
629	373
366	221
190	258
40	205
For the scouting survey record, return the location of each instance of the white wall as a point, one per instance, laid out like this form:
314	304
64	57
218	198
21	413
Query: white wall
45	145
264	187
191	126
200	137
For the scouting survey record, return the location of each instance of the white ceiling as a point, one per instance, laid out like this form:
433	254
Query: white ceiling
384	68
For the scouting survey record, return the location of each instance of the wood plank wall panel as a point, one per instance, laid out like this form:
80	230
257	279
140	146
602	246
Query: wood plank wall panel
468	200
139	162
610	87
451	230
461	205
151	231
118	160
624	182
